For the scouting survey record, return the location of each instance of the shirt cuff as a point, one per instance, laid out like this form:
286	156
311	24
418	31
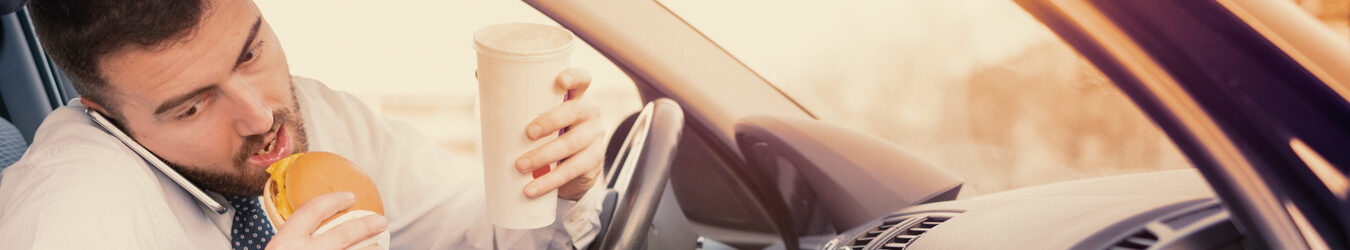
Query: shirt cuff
581	218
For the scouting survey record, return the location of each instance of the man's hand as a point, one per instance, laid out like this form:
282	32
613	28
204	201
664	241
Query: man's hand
580	147
295	233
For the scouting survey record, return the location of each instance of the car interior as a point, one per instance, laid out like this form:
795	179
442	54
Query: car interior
748	171
709	164
637	161
25	97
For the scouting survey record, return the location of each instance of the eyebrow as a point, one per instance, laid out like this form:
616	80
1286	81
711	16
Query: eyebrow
179	100
252	33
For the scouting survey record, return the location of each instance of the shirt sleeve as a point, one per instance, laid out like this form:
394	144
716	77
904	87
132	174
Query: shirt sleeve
433	199
78	199
576	223
581	218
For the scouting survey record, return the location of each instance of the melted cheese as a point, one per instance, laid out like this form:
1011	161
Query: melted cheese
278	171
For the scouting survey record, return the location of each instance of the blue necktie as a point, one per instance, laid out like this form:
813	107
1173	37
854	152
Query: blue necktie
250	229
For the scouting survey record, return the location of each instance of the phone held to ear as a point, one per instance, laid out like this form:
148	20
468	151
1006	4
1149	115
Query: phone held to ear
155	161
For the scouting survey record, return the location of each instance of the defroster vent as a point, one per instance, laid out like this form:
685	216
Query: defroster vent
896	233
1138	241
906	237
871	235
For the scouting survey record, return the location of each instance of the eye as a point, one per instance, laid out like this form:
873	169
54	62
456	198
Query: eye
197	107
251	54
191	110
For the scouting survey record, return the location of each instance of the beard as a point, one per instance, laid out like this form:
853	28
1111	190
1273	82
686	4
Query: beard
240	179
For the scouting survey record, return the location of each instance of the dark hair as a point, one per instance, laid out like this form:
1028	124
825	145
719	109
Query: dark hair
78	33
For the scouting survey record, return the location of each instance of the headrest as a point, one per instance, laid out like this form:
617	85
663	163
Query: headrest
10	6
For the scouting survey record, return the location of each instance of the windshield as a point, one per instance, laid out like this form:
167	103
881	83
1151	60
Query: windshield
413	61
978	87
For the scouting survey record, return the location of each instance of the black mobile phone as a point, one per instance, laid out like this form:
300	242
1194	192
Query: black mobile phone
155	161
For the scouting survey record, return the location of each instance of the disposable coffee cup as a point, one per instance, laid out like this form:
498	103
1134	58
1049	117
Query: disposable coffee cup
517	65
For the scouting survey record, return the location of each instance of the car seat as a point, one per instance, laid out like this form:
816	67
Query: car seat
12	144
10	6
12	141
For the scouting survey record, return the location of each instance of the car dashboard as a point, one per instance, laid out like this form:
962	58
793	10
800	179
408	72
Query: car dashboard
1159	210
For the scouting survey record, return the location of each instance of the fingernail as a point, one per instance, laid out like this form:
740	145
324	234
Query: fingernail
531	191
349	196
534	131
522	165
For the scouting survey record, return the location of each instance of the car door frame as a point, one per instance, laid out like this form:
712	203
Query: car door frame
1265	170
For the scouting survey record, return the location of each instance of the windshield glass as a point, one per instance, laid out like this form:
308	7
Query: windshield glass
977	87
413	61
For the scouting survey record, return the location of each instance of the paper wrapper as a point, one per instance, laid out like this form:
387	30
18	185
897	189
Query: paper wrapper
381	239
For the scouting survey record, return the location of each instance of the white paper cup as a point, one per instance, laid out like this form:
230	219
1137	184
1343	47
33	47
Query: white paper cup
517	65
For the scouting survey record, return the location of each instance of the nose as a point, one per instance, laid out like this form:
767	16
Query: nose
252	116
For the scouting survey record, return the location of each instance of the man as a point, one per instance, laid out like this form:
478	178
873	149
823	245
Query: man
204	85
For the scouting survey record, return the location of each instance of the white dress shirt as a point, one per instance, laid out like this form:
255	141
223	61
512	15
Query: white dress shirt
77	187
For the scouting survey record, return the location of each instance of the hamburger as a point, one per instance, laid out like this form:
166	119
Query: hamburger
300	177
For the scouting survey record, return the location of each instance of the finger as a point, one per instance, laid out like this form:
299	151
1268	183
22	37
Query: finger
564	146
575	81
566	172
590	162
305	219
354	231
561	116
372	247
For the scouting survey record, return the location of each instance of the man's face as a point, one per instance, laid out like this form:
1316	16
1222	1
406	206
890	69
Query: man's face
218	105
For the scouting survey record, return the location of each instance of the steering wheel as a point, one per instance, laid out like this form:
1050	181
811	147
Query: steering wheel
638	176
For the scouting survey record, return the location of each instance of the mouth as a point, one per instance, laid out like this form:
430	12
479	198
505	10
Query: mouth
279	147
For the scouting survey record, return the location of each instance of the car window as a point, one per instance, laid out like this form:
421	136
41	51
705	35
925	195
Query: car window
978	87
414	61
1335	14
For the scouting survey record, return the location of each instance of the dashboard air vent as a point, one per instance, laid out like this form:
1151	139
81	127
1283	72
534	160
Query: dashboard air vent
1137	241
871	235
904	238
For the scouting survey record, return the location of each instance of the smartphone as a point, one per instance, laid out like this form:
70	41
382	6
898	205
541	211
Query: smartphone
155	161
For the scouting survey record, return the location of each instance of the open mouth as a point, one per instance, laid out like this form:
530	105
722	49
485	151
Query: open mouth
276	149
269	148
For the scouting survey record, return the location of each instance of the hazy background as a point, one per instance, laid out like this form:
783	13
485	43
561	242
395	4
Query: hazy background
976	86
